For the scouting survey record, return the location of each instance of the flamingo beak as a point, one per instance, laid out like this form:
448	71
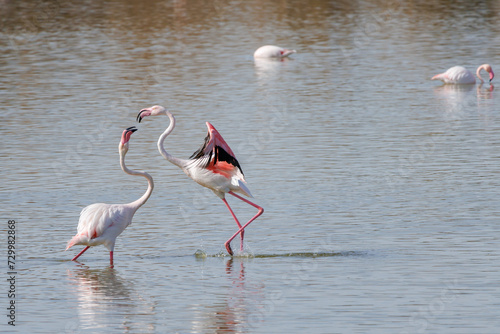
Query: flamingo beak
492	75
127	133
143	113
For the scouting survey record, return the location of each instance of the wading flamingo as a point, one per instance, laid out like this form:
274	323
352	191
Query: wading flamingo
101	223
461	75
213	166
272	51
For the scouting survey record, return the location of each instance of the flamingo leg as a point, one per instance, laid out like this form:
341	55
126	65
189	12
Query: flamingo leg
111	259
242	228
78	255
239	226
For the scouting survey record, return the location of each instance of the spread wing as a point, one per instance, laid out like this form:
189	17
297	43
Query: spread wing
215	154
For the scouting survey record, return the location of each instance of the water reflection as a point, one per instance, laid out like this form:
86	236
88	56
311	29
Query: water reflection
460	98
241	308
103	296
267	68
458	91
486	92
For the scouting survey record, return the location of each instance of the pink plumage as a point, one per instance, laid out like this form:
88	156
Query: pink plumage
101	223
213	165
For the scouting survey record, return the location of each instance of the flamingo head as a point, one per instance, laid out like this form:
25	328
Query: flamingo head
490	71
123	147
151	111
487	68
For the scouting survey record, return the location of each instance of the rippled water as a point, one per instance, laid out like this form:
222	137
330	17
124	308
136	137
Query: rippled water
381	187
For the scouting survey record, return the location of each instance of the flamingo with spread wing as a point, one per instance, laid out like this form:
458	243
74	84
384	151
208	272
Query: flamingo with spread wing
213	166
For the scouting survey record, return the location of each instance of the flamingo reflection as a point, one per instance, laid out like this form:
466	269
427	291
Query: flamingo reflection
103	296
239	311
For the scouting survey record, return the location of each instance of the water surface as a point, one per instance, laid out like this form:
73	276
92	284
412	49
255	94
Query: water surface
380	187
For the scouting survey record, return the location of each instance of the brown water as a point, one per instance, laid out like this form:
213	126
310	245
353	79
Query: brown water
381	187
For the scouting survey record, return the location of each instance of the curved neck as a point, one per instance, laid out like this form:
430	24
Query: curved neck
478	73
176	161
138	203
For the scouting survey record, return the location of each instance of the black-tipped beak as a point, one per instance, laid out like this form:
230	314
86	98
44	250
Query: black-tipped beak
139	118
132	128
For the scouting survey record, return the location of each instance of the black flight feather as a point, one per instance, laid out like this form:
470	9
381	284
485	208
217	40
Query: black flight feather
220	155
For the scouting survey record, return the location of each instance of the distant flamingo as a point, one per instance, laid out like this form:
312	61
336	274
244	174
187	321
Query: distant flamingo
101	223
272	51
213	166
460	75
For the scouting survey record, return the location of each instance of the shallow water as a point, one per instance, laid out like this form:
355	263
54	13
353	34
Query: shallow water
380	187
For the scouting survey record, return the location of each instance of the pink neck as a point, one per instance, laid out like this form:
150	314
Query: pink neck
478	73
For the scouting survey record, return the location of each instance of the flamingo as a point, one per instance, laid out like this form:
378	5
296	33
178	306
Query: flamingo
213	166
272	51
460	75
101	223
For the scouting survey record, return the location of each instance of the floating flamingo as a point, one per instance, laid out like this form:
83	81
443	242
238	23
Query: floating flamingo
101	223
460	75
213	166
272	51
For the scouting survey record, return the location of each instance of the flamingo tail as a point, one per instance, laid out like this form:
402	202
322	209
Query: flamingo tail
244	189
438	77
76	240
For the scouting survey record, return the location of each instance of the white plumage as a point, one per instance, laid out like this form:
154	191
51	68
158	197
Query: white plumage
272	51
461	75
100	223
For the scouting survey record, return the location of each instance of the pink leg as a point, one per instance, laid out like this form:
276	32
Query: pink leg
83	251
242	228
111	259
237	222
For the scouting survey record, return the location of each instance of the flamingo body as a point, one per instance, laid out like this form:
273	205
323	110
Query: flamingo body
461	75
272	51
213	165
456	75
100	223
